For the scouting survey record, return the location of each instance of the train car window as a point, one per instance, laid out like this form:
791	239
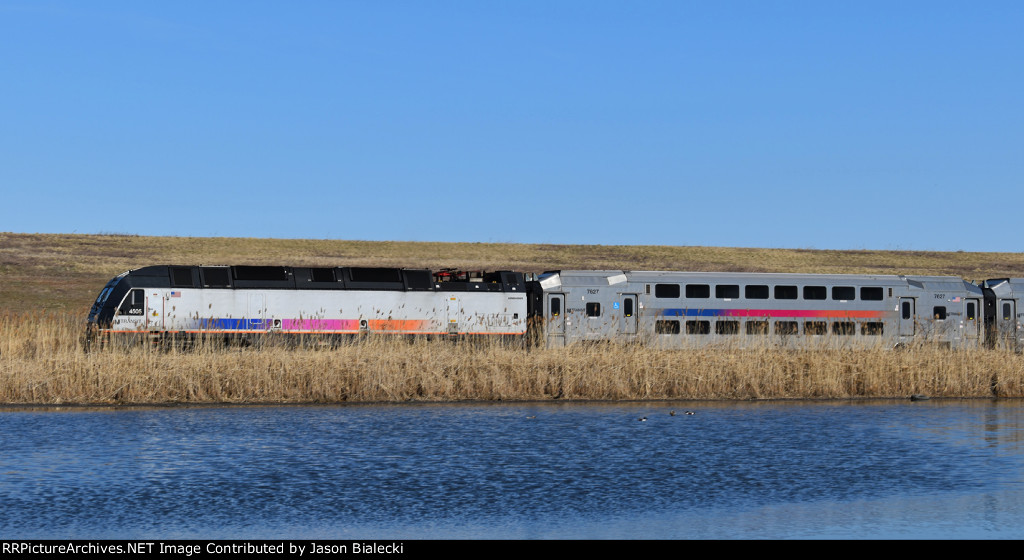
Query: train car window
844	293
815	327
666	290
698	327
844	328
727	291
666	327
871	294
785	292
698	291
1007	313
939	312
181	277
787	327
627	307
322	274
971	313
872	329
215	277
103	295
134	303
727	327
755	292
906	310
815	292
593	309
556	307
757	327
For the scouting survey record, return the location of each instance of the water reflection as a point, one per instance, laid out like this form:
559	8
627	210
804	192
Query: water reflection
745	470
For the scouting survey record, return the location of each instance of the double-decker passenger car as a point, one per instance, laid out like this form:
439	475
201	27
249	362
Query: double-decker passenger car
701	308
1003	315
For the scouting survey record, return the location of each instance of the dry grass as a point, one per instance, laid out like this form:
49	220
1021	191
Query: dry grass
42	361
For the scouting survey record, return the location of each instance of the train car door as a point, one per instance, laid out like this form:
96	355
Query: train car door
1006	322
155	310
627	311
972	324
555	328
907	317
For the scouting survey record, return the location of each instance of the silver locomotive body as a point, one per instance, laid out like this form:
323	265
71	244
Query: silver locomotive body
250	301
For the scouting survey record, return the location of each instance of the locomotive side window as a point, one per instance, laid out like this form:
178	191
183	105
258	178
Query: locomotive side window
666	290
871	294
666	327
698	291
939	312
728	291
785	292
815	292
756	292
134	303
842	293
1007	313
593	309
556	307
698	327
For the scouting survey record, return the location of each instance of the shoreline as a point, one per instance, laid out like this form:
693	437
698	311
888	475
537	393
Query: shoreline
664	403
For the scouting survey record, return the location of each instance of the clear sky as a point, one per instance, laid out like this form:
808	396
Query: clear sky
818	124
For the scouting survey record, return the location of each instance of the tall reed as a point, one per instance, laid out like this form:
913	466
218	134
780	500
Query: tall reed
43	361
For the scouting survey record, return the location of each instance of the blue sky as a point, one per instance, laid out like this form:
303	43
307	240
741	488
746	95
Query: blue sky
829	125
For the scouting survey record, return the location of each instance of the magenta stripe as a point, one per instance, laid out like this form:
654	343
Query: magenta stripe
320	324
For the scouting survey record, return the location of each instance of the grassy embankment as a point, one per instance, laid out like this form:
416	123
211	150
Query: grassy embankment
48	281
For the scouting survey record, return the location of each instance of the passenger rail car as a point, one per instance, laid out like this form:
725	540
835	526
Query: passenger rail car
679	309
1003	315
559	308
256	300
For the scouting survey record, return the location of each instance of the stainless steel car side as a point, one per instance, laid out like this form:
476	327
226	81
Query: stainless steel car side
684	309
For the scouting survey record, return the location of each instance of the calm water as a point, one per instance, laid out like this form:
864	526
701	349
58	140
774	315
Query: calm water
757	470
